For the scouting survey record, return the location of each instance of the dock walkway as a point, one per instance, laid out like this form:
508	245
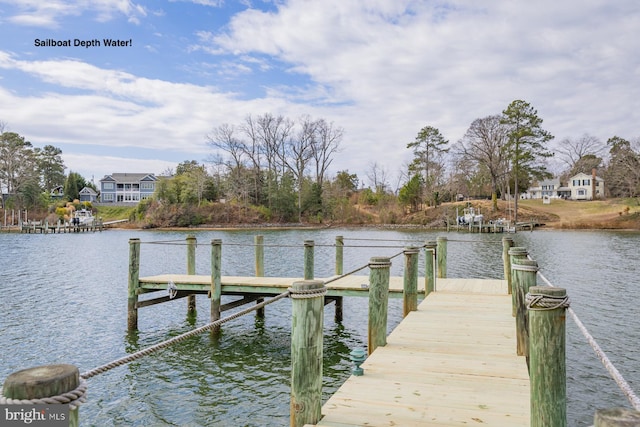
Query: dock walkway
452	362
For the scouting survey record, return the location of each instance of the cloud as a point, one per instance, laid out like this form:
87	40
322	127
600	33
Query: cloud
49	13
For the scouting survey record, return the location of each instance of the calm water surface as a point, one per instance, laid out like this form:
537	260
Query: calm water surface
63	300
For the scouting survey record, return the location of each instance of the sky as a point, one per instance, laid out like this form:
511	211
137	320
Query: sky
379	69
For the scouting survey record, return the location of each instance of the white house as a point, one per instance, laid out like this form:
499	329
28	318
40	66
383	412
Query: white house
581	186
545	189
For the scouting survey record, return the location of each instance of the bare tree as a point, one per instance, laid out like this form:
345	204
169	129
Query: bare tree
377	175
224	138
484	144
326	143
572	150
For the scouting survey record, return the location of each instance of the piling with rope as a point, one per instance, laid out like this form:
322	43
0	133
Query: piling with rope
339	271
216	281
379	272
524	277
46	385
307	311
429	267
516	252
308	259
548	375
441	256
191	270
133	284
507	244
259	257
410	280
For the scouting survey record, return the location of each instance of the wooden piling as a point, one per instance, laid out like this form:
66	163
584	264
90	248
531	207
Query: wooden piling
547	349
216	281
616	417
429	268
339	271
42	382
307	310
524	277
441	254
379	271
308	259
507	243
133	284
410	280
259	255
519	253
339	255
191	270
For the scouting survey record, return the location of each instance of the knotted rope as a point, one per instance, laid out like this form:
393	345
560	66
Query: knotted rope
307	293
74	398
542	302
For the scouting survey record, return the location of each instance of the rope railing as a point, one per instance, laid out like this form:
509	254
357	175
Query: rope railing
604	359
149	350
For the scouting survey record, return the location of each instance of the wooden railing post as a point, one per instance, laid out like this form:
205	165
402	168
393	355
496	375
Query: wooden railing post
547	318
134	284
191	270
441	254
39	383
429	267
515	252
216	281
507	243
616	417
259	253
410	280
339	255
524	277
308	259
379	271
307	310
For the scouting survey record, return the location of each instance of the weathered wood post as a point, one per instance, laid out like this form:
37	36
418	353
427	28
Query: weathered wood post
259	253
308	259
307	310
507	243
616	417
410	280
339	271
339	255
216	281
429	268
134	284
60	381
191	269
547	307
441	253
515	252
524	277
379	271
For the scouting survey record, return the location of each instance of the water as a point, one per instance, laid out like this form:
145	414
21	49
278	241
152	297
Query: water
63	300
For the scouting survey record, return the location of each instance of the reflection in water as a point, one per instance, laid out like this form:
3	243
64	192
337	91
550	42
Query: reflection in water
64	301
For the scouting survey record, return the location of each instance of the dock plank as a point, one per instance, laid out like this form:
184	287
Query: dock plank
453	362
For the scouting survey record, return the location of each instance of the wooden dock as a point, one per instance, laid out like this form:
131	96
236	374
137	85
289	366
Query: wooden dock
452	362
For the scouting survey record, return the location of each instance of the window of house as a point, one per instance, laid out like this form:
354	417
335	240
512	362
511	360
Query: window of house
146	185
107	185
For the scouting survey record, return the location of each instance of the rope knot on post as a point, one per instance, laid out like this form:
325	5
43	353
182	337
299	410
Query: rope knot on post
379	263
74	398
546	302
307	293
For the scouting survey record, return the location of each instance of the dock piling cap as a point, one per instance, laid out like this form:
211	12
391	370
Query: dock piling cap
41	382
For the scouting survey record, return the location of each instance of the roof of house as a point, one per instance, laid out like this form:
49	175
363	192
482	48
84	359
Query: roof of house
88	190
129	177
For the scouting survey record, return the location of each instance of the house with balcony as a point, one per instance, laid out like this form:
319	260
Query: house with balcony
125	188
547	189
